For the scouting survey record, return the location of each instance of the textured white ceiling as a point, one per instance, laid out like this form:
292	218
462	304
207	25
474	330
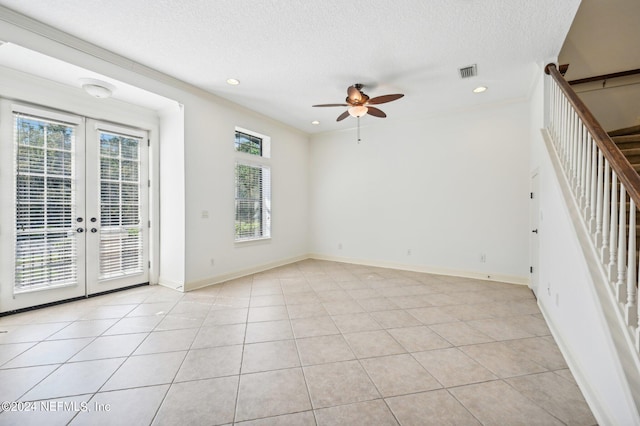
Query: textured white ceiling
291	54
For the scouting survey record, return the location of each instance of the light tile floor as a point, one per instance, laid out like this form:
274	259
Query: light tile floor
310	343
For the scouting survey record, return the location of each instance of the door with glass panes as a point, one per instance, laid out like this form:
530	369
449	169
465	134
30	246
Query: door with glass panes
81	208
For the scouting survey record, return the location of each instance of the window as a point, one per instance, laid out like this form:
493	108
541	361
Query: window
253	186
248	143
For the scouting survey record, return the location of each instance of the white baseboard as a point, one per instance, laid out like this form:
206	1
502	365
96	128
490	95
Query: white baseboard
173	285
590	394
511	279
194	285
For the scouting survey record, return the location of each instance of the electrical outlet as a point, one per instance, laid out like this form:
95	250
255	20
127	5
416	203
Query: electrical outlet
483	258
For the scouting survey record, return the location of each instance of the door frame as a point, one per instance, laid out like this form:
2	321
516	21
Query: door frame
534	234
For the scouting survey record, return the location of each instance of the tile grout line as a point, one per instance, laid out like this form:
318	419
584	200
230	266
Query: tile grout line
304	375
244	339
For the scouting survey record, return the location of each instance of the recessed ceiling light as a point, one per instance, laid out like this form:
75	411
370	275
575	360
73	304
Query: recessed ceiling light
480	89
233	81
315	122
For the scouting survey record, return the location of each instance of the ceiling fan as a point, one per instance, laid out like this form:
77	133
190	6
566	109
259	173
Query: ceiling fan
360	104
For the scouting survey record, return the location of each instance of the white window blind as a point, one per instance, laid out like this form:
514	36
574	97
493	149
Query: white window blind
120	206
45	244
253	201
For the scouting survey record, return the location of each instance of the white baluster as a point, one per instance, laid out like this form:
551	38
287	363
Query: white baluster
567	142
569	166
587	179
630	308
604	251
622	247
598	234
563	127
552	109
581	169
556	113
593	186
613	243
637	333
576	163
565	133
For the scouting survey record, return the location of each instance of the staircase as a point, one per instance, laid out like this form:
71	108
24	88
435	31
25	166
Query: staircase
628	141
599	176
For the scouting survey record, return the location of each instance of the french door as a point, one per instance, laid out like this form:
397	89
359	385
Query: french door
81	208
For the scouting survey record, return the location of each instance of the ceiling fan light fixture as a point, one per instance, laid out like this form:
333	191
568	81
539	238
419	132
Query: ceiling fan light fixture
358	111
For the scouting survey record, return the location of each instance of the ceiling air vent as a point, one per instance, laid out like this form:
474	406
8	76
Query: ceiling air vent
470	71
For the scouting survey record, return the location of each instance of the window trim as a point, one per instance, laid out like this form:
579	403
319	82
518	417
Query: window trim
263	162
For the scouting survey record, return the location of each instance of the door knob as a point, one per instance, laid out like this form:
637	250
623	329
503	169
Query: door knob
80	230
94	230
535	231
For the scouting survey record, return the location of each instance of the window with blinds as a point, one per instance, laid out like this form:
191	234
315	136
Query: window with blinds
120	206
252	187
45	243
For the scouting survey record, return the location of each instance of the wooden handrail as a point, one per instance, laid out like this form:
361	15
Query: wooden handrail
618	162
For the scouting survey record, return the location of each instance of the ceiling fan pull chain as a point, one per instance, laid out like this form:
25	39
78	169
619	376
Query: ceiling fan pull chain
358	129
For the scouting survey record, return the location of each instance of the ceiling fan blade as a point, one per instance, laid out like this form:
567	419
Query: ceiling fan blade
354	94
330	105
384	99
343	115
375	112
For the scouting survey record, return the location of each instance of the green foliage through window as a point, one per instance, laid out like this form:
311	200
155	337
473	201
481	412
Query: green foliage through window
248	143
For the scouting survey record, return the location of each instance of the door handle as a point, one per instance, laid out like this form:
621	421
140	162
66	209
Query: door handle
535	231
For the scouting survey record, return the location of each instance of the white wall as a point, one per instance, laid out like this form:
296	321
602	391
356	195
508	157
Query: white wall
448	188
210	180
567	297
171	221
616	107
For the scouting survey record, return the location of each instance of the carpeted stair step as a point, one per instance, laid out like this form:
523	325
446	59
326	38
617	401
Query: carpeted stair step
626	142
626	131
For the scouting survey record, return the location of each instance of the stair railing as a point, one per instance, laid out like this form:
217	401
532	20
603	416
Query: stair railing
605	187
